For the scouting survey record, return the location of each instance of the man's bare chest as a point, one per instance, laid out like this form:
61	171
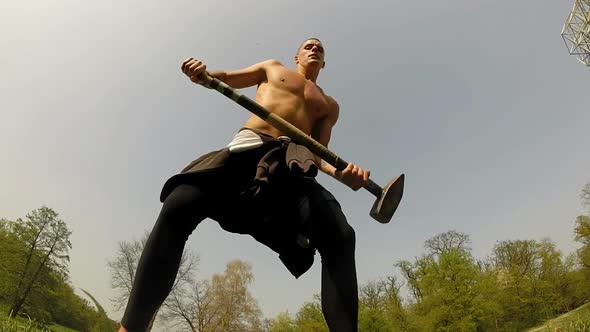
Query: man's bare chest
312	97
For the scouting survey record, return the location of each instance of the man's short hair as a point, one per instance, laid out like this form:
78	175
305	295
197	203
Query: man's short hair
303	43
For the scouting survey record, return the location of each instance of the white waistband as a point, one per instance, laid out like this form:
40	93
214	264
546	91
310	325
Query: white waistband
244	140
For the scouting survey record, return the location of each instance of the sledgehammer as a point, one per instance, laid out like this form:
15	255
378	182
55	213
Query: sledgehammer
388	197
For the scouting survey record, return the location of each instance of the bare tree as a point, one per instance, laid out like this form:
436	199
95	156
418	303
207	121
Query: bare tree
223	304
124	265
190	308
447	241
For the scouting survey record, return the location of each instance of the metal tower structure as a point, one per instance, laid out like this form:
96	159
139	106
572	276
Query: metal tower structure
576	31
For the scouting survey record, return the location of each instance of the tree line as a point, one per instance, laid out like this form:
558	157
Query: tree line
521	283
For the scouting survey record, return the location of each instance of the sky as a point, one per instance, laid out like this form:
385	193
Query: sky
478	103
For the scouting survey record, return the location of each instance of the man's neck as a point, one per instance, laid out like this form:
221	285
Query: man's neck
310	72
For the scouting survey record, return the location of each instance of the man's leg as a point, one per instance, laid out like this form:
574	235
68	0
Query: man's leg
335	240
182	211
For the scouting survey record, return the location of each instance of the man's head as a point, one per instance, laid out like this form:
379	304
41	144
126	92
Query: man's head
311	52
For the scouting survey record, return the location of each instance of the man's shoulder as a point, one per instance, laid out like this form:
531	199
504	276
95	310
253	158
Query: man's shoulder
271	62
330	99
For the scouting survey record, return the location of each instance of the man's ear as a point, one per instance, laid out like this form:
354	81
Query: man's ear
296	58
324	65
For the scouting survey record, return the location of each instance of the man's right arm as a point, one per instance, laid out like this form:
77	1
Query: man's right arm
237	79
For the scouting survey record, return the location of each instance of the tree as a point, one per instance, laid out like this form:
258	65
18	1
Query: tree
190	308
443	284
447	241
414	272
585	196
124	265
489	298
394	308
222	304
372	307
310	317
46	244
235	308
101	320
282	323
380	307
449	292
582	235
536	281
11	260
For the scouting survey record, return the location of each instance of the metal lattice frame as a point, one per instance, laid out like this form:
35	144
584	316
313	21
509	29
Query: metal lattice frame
576	31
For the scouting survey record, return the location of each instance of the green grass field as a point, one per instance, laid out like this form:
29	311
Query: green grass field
21	324
577	320
24	325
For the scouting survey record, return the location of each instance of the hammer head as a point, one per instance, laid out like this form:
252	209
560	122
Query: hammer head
385	206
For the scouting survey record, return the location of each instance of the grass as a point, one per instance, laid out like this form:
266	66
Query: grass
59	328
19	324
577	320
27	325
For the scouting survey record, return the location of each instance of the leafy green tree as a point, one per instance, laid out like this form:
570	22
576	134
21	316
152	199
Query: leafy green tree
100	319
443	283
582	235
282	323
52	298
12	250
449	285
582	230
535	279
488	298
68	309
517	262
46	240
310	317
397	315
372	307
553	282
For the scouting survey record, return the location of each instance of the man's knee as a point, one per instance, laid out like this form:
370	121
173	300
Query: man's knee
347	236
335	231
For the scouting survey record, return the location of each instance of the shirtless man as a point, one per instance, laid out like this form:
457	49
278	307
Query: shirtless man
268	184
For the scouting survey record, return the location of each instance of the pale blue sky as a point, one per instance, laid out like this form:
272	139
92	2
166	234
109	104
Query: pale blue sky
477	102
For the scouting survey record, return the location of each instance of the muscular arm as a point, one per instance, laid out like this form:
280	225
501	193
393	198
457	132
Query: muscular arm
322	133
353	176
247	77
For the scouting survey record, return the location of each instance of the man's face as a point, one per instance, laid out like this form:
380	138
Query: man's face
311	52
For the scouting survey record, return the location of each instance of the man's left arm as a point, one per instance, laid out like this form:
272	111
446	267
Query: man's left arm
353	176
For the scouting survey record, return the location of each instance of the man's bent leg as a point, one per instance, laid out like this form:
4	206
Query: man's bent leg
335	241
182	211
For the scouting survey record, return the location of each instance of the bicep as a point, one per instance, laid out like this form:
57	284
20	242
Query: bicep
323	131
250	76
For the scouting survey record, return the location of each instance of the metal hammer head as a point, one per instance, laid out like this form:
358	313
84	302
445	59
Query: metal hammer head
385	206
